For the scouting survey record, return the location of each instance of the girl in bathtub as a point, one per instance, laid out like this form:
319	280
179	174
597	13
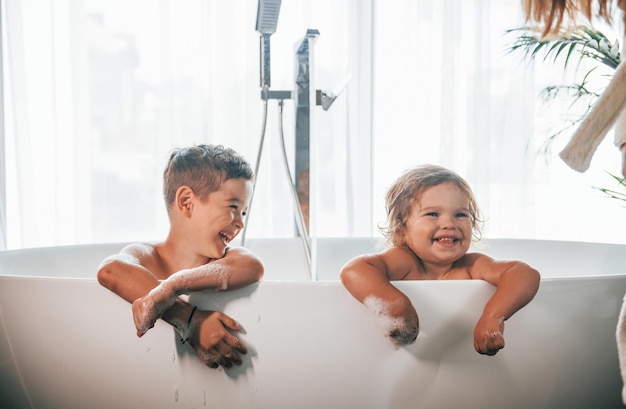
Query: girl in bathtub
206	189
432	217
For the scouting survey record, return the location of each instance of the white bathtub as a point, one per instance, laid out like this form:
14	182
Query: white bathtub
66	342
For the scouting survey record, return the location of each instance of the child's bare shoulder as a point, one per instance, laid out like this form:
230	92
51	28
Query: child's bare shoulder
482	266
400	262
385	256
140	249
238	251
471	259
470	265
138	253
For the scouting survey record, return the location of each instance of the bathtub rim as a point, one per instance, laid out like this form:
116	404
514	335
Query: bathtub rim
476	244
11	257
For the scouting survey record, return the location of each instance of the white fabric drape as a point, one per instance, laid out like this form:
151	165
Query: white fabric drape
447	92
98	92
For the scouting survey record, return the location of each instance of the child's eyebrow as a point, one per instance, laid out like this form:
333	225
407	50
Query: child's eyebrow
236	200
433	208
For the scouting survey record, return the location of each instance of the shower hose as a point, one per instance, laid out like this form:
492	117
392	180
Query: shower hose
300	224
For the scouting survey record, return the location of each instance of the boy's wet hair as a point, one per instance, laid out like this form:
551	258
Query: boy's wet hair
408	189
203	168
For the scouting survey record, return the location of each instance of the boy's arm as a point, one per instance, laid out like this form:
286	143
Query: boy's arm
367	279
238	268
124	275
245	266
516	284
209	336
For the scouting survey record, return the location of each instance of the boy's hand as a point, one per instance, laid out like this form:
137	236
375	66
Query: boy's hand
211	339
488	338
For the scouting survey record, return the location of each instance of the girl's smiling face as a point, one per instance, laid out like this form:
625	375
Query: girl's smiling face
439	227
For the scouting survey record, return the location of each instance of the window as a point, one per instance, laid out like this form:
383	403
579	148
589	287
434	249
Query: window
96	97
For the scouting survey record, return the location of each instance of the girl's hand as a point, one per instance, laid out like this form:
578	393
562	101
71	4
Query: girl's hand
488	335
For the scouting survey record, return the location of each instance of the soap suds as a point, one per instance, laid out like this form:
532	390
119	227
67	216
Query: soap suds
146	312
396	328
208	276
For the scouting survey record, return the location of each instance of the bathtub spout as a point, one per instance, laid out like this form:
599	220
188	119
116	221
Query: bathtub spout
325	98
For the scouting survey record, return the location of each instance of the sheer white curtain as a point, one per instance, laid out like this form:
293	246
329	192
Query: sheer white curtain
447	92
97	92
101	91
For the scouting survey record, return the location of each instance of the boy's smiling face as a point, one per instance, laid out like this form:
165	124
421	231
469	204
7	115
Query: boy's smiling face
439	228
218	219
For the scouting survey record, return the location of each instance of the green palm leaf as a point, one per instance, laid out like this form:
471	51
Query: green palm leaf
574	46
613	194
584	41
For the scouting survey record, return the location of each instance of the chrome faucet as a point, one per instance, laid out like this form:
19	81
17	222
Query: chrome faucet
305	98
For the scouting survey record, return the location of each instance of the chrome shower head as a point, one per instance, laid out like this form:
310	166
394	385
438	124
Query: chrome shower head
266	22
267	16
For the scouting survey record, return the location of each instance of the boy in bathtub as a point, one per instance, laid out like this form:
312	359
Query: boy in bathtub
432	218
207	189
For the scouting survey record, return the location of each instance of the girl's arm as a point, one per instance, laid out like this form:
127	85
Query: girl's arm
516	284
367	278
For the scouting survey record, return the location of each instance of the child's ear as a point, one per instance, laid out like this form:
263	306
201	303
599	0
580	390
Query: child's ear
184	200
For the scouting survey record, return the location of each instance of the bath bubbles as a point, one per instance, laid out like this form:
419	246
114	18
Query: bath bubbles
210	275
144	314
397	329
